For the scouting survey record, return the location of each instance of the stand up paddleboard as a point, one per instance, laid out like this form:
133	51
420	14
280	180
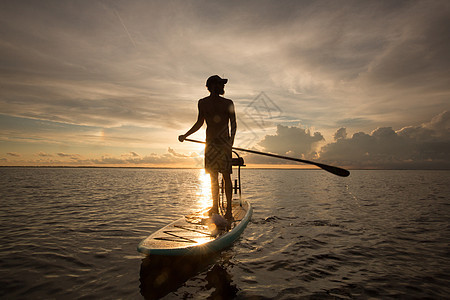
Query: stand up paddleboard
199	233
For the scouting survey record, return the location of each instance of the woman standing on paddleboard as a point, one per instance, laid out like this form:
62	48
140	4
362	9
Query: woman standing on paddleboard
218	112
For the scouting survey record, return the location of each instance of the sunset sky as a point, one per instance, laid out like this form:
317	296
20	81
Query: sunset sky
358	84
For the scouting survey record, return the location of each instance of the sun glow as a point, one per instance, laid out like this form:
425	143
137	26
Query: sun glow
204	191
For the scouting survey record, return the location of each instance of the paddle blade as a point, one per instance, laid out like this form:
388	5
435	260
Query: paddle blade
335	170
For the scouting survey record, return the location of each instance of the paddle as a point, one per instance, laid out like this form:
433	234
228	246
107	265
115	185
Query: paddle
335	170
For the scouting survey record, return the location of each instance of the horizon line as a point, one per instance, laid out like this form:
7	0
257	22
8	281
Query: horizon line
193	168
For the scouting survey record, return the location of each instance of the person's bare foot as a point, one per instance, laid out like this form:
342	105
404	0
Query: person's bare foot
228	215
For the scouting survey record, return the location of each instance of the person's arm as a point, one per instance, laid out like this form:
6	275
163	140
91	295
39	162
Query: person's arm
195	127
232	124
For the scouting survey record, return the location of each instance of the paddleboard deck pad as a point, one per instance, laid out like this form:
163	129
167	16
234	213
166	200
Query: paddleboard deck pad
198	233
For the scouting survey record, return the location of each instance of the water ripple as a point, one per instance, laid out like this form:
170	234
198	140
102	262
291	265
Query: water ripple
72	233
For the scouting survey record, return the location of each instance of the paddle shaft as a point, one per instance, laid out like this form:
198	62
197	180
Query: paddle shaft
335	170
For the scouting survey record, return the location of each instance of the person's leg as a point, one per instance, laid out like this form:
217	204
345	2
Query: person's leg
228	193
214	191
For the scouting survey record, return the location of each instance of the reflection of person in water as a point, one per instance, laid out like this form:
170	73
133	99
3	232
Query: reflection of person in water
161	275
218	112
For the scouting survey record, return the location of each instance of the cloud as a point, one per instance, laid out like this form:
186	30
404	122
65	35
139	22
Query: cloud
74	157
440	124
43	154
293	140
134	154
340	134
176	154
131	154
13	154
154	160
65	63
171	158
424	146
414	58
114	64
128	73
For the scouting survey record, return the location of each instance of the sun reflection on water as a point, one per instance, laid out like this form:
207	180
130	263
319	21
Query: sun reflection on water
204	191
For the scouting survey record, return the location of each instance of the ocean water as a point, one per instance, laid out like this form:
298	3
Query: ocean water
71	233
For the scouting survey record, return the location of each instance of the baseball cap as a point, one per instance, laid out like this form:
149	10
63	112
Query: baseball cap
215	79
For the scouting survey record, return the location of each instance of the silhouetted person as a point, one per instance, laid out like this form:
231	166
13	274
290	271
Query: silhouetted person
218	112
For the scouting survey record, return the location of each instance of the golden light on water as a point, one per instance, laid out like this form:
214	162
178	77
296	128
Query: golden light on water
204	191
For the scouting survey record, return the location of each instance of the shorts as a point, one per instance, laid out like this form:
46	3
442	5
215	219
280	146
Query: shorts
218	158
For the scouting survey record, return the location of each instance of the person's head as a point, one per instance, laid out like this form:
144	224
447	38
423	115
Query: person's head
216	85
